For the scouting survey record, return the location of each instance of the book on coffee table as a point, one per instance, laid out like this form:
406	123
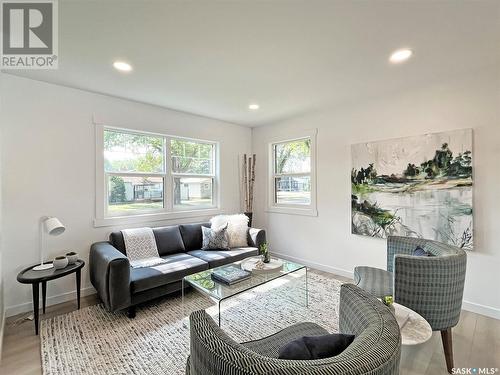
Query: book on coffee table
230	275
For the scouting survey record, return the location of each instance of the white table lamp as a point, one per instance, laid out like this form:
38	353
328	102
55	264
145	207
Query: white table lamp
53	227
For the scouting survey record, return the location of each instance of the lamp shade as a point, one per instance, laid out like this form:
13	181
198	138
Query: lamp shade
53	226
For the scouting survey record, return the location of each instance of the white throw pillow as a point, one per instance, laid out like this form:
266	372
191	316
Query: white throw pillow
237	228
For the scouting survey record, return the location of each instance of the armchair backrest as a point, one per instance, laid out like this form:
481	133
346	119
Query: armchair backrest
375	350
432	286
401	245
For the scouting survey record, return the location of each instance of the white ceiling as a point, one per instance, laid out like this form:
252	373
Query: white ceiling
213	58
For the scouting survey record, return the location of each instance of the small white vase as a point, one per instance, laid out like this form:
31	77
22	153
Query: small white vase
60	263
72	257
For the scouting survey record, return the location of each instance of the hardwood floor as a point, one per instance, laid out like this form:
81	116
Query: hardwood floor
476	342
21	348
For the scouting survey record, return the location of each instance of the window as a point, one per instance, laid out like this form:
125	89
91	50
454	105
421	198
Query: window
193	173
134	165
292	176
148	174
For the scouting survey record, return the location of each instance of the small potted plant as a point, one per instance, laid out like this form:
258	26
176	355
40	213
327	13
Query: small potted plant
388	301
264	252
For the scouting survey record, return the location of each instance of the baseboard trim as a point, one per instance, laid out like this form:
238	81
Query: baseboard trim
319	266
51	300
477	308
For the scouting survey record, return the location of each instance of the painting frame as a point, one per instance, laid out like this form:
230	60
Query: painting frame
416	186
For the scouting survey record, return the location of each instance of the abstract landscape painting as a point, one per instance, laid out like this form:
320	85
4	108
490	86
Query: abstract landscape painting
417	186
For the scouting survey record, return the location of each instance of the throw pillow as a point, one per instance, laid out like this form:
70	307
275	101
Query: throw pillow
316	347
420	252
215	238
237	228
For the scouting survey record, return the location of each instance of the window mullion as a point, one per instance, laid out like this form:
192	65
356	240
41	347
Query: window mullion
135	174
169	180
106	193
301	174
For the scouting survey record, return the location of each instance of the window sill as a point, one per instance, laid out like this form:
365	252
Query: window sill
148	218
293	211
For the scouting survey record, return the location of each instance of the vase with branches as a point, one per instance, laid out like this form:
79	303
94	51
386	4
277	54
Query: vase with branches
248	185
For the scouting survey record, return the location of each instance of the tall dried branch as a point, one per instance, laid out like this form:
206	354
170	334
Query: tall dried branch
249	204
245	180
251	185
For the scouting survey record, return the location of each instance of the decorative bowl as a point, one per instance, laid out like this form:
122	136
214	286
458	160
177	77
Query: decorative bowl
72	257
60	262
257	266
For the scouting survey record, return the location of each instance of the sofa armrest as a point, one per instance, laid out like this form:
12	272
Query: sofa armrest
256	237
110	275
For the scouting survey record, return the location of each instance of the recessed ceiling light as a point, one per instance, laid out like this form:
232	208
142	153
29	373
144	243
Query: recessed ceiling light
400	55
122	66
253	107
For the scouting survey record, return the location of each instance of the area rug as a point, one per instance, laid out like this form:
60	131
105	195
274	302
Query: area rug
94	341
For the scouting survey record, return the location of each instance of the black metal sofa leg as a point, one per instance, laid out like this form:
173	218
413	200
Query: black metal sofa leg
131	312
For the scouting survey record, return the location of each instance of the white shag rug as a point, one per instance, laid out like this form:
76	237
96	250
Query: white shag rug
94	341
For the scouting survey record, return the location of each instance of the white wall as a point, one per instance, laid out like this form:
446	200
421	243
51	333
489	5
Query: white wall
48	168
47	163
326	241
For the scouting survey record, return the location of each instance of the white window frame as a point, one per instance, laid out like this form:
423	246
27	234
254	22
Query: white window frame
102	216
293	209
213	175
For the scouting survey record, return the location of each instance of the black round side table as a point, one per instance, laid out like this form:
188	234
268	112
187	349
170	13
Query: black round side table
30	276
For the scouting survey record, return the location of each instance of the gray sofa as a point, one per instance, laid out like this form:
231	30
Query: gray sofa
376	350
119	286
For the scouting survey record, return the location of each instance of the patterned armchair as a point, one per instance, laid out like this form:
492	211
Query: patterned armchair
431	286
376	349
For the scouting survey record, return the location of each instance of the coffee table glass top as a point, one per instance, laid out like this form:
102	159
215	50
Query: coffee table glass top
219	291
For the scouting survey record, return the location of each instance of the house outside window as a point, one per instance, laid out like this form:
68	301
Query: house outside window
193	173
292	176
154	175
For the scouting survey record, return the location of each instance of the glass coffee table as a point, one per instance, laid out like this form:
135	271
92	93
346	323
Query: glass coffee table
218	291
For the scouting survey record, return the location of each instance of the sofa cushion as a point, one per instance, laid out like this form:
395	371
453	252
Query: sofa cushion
420	252
116	239
215	239
216	258
316	347
192	236
237	228
177	266
169	240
